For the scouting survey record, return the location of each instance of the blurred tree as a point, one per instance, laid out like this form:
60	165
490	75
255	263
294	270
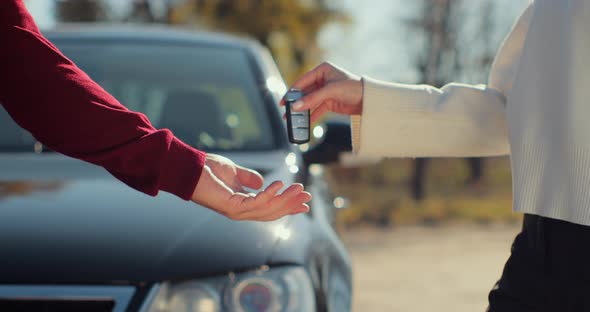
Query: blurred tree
80	10
477	50
141	11
446	57
287	27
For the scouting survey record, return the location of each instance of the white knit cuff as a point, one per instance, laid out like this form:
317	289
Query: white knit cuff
355	132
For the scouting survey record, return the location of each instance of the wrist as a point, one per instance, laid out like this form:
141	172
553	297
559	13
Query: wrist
181	169
210	191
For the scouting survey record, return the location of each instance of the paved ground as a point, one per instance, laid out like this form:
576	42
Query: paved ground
443	269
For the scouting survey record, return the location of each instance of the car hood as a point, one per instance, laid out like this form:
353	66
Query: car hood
64	221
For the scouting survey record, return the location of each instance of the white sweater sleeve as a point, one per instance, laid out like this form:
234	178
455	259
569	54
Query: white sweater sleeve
457	120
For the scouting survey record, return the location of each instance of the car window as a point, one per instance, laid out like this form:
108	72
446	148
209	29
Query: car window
207	96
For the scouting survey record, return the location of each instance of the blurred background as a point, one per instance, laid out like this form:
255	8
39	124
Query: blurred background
423	233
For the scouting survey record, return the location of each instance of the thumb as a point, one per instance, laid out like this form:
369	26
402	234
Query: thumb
249	178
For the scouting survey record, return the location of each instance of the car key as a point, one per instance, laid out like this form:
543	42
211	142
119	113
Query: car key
297	122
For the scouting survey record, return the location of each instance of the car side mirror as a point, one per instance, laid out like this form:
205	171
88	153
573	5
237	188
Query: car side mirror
335	140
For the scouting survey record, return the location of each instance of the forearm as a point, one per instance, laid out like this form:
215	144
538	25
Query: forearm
417	121
457	120
64	109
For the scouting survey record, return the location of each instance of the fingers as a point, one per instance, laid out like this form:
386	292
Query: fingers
319	112
343	97
304	209
314	77
291	201
290	192
295	205
249	178
275	215
314	100
268	206
312	80
298	203
268	194
277	202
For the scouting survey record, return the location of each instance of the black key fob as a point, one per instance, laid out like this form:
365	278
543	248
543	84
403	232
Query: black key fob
297	122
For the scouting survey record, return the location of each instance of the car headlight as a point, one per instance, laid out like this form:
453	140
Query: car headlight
284	289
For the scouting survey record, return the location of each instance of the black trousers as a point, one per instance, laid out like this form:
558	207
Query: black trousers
548	269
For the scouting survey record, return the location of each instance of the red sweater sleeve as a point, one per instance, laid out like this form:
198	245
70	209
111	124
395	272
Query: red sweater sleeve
64	109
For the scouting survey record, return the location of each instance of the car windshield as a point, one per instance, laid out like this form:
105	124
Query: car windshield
208	96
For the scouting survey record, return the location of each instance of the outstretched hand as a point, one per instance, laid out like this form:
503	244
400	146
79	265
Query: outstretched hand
234	176
221	188
329	89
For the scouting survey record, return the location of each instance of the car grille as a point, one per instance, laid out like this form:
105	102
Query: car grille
22	298
26	305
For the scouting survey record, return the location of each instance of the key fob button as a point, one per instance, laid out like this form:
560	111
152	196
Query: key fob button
299	121
301	134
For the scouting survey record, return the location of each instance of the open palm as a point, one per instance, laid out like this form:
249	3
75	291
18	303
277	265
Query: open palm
222	189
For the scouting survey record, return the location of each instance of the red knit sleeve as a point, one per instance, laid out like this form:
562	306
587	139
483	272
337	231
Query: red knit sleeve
64	109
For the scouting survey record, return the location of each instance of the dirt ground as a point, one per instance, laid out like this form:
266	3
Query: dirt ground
444	269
